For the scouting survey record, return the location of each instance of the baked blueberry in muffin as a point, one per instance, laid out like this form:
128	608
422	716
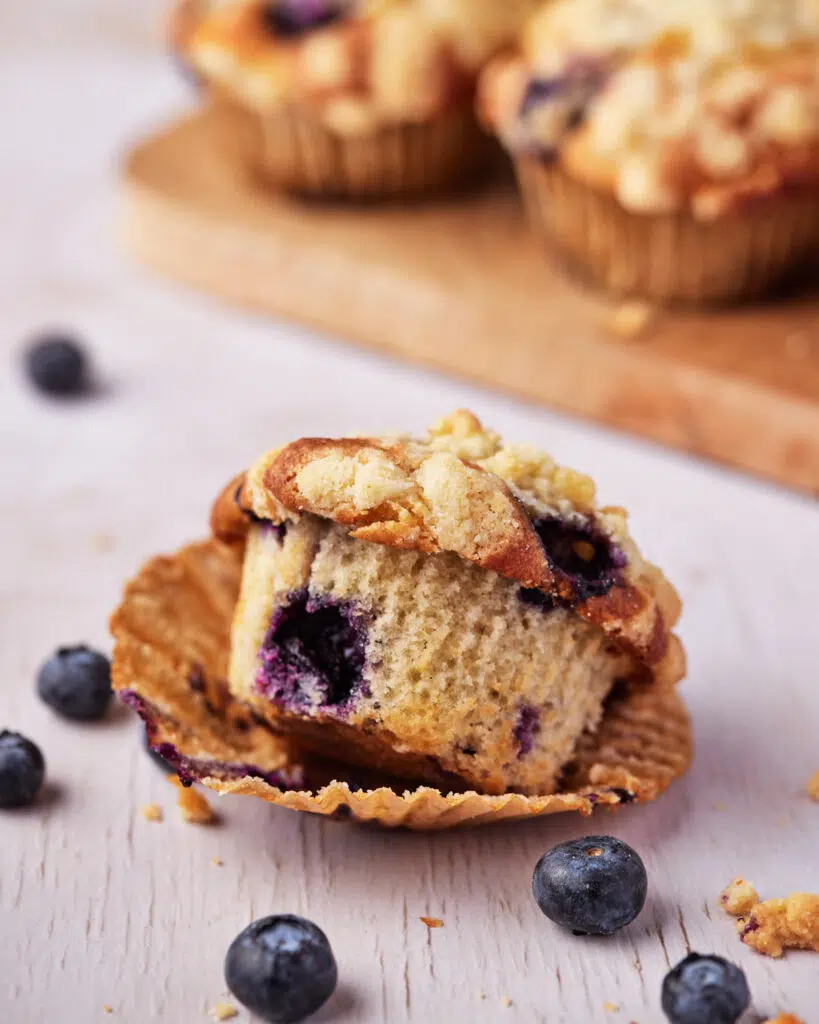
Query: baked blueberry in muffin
451	610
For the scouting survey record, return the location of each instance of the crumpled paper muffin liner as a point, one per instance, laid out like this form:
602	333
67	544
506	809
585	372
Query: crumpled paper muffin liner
172	638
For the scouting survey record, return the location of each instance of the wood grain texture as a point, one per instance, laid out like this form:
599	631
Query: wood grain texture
458	284
98	906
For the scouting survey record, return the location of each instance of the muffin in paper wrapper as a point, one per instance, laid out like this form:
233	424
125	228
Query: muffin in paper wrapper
172	639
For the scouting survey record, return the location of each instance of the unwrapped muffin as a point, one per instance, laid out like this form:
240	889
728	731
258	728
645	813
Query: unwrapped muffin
450	610
352	97
668	149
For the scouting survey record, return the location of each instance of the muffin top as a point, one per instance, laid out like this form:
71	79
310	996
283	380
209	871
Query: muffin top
355	65
509	509
701	105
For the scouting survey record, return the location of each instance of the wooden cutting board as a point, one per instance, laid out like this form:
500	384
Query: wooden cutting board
458	284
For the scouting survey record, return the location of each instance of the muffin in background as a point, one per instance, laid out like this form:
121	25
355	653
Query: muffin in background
453	610
667	149
352	98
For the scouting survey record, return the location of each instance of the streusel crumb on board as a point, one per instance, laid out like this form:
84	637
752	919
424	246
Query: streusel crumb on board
152	812
193	805
225	1011
813	787
776	925
739	897
785	1018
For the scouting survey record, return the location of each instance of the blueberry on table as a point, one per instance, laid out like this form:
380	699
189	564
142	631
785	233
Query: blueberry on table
281	968
56	364
76	683
22	770
592	886
705	990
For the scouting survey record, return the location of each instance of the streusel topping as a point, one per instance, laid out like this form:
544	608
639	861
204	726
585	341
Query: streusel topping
360	64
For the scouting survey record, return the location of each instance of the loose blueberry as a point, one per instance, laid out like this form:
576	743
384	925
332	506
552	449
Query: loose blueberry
22	770
592	886
76	683
56	365
705	990
281	968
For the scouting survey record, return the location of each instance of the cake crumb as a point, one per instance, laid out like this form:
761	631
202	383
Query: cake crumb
102	542
225	1011
507	1002
193	806
107	1009
152	812
611	1007
739	898
432	922
217	861
785	1018
775	925
813	787
631	318
481	995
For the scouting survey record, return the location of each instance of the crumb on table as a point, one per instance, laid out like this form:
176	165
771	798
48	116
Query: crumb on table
630	318
225	1011
217	861
152	812
775	925
107	1009
432	922
739	897
611	1007
193	806
507	1002
785	1018
813	787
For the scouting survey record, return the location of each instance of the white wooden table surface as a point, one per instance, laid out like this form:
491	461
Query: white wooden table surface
97	906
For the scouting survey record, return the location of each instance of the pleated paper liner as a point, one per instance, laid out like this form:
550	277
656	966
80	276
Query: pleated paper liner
172	634
300	155
669	257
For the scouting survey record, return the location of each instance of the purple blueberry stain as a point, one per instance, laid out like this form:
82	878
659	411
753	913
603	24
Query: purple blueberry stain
190	769
571	92
526	728
295	17
314	654
581	557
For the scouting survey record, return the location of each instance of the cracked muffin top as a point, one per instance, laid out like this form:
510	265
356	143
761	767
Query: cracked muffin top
506	508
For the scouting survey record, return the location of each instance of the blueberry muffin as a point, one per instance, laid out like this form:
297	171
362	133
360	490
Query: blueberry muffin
451	610
356	98
669	150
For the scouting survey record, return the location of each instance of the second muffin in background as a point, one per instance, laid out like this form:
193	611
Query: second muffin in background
353	98
668	149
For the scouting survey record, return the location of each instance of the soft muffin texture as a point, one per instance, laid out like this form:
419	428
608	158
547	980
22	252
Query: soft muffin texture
441	669
406	607
696	105
361	66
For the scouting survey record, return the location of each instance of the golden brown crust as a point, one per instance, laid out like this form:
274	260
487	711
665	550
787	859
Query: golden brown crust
447	494
171	647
